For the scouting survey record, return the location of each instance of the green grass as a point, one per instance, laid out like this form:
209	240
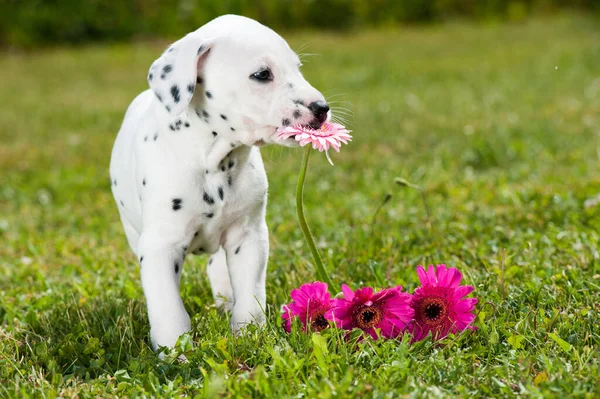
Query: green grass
500	126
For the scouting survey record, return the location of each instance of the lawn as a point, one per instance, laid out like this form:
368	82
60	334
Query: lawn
498	124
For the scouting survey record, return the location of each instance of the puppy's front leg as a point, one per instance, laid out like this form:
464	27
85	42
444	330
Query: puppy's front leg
247	253
161	266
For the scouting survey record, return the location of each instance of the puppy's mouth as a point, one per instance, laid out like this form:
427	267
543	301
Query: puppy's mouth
315	125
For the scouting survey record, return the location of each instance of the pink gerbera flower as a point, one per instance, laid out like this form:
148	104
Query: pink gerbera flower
388	310
310	302
439	304
328	135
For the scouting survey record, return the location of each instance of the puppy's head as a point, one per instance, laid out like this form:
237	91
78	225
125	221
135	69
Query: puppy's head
239	73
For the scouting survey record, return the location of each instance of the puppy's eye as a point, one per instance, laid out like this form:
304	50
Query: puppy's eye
262	76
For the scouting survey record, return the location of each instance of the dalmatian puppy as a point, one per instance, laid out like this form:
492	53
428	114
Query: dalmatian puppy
186	171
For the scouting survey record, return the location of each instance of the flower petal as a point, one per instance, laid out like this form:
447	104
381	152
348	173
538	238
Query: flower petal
463	291
423	278
442	275
348	293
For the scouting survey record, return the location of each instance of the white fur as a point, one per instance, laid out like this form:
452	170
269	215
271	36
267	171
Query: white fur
168	170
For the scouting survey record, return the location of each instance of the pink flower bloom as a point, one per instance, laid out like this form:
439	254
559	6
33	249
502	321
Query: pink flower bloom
328	135
439	304
310	302
388	310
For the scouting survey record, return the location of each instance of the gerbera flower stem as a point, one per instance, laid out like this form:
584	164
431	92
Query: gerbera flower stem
321	272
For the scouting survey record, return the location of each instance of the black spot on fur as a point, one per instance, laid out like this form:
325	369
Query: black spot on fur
285	122
141	258
222	168
178	123
200	49
290	85
115	182
185	248
150	76
206	171
166	69
299	102
143	182
208	199
208	94
210	261
168	108
191	87
231	163
232	145
237	250
177	203
155	136
187	124
157	94
175	93
232	129
172	127
176	267
224	117
199	80
145	138
205	114
122	204
221	195
209	215
229	180
214	134
196	234
297	114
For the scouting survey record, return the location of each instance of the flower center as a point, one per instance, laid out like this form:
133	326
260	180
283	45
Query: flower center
366	316
433	310
319	323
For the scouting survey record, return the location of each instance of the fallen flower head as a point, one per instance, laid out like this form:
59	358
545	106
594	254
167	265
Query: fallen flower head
387	310
309	304
439	304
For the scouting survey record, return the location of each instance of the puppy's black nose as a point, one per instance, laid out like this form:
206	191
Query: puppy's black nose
319	109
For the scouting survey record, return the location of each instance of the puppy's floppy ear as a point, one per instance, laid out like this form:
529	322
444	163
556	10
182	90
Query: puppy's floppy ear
173	75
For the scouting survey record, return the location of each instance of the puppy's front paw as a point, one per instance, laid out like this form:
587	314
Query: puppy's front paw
241	316
166	334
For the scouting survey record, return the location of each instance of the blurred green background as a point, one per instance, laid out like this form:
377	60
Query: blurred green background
30	23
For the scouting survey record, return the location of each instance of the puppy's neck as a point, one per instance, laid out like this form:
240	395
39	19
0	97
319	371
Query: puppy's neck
217	150
222	148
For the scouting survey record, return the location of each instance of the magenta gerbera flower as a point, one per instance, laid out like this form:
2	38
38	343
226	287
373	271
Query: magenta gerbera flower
329	135
388	310
310	302
439	304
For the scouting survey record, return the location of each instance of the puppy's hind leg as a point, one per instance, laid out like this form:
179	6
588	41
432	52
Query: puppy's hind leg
218	275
